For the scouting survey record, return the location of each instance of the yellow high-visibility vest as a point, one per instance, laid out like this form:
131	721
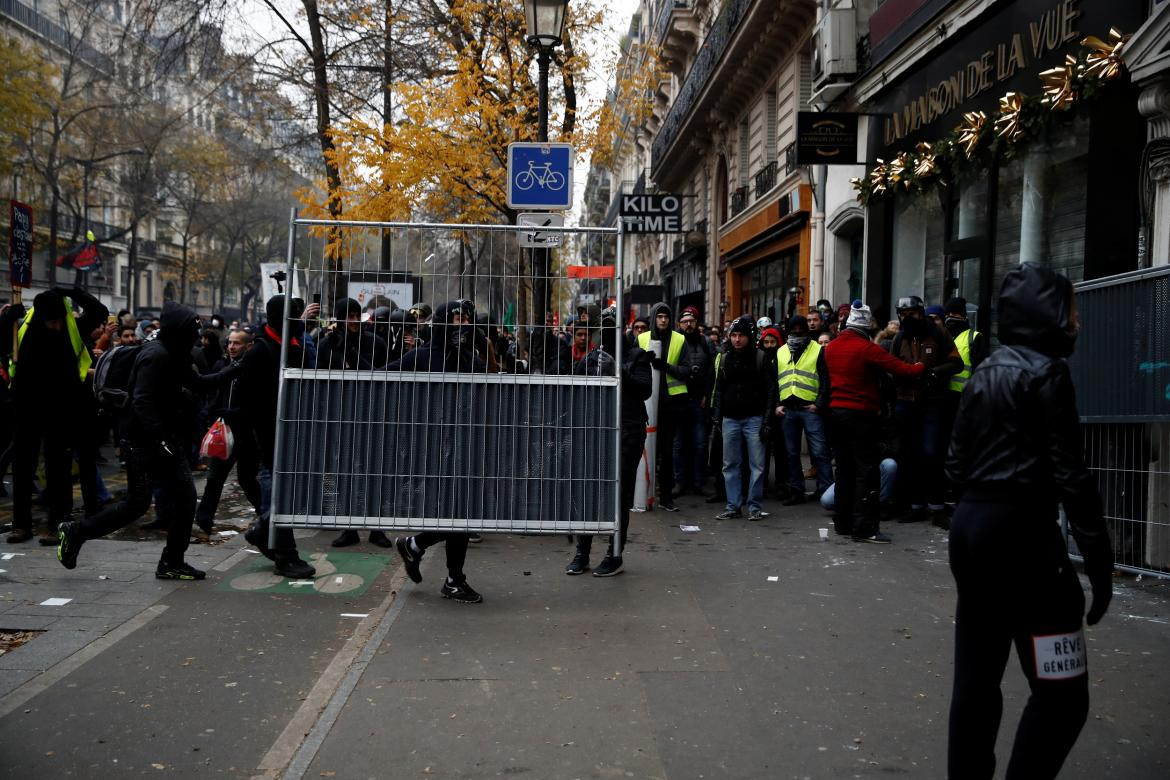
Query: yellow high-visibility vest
963	343
84	361
673	353
799	378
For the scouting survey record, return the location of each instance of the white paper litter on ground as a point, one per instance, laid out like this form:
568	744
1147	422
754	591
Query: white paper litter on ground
773	579
226	534
250	550
355	614
9	556
55	602
689	529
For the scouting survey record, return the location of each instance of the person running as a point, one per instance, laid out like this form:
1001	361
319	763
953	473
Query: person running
1016	454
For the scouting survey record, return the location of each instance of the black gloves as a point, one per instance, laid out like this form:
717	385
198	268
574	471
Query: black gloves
658	363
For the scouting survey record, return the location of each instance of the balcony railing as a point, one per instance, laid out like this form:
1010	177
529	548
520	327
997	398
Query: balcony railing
766	178
789	159
663	22
53	32
710	53
739	200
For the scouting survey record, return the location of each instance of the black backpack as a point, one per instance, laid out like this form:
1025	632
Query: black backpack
111	376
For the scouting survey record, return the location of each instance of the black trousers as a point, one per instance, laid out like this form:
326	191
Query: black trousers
37	431
670	414
247	465
855	436
146	471
1016	586
633	442
456	547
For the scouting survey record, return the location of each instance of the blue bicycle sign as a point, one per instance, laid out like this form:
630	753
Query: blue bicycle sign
540	176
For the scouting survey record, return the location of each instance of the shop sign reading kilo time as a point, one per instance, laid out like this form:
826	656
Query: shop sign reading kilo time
1047	32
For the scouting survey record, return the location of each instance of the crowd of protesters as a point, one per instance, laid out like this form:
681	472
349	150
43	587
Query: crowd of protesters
879	415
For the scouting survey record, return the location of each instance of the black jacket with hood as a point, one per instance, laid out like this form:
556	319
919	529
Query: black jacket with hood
449	348
1017	436
684	370
158	411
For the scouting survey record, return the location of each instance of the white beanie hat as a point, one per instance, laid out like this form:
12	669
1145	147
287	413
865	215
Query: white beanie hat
860	317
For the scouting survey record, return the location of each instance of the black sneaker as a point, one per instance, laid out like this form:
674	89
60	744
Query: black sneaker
460	592
757	514
913	516
410	559
177	571
608	567
579	565
293	567
715	498
667	506
157	524
204	525
69	541
346	538
729	514
875	538
797	497
255	537
380	539
474	538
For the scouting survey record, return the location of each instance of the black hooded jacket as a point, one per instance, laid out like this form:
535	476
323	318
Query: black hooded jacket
158	411
449	348
46	365
683	371
1017	436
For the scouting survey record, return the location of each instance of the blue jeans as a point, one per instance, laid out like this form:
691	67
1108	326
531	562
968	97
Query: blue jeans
690	447
889	473
813	426
735	434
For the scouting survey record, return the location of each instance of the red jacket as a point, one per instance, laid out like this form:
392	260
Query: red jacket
855	368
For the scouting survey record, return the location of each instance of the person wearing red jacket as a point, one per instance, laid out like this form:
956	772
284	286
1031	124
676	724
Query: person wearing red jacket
855	366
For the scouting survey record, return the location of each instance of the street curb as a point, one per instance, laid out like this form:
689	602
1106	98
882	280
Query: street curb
67	666
295	748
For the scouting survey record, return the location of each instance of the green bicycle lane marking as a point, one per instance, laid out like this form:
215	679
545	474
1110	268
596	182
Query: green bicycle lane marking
338	574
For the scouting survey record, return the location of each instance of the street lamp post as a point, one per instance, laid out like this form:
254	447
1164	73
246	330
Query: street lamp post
545	20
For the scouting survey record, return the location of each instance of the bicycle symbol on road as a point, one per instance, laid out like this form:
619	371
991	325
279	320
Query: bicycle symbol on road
540	174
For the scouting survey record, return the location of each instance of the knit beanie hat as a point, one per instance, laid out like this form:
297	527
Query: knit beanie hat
860	317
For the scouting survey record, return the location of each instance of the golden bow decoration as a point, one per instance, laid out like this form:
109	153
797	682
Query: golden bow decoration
858	183
897	170
1103	59
926	163
1058	84
877	178
970	130
1008	125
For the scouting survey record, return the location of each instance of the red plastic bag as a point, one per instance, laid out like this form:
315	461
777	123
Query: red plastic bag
218	441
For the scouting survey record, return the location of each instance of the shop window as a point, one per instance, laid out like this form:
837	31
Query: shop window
764	287
918	247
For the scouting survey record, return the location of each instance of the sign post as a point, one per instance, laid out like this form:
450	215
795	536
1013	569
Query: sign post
824	138
532	237
20	248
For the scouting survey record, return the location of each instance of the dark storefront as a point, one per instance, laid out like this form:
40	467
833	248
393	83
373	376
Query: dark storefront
1068	198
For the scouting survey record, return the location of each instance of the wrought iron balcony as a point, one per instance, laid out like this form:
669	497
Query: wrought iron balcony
705	63
54	33
789	159
739	200
766	178
662	24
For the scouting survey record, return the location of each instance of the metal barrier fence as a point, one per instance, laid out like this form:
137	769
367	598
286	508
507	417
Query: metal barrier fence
1121	370
470	417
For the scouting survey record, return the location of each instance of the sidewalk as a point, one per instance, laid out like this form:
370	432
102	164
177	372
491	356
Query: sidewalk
693	663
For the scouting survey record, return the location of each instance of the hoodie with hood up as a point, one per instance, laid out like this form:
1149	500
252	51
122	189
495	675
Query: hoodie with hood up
1017	435
449	348
683	371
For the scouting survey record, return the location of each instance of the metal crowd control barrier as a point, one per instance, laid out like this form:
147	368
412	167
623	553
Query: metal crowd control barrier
1121	369
404	421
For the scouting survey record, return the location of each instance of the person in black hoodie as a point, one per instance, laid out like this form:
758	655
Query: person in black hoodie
745	392
347	345
1016	454
449	350
153	430
637	386
48	373
690	446
259	386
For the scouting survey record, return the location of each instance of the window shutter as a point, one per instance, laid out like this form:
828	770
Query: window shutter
771	118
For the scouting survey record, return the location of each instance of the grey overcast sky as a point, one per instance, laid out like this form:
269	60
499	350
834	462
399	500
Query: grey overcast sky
254	22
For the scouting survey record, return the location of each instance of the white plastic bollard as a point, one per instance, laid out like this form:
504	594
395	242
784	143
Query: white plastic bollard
644	487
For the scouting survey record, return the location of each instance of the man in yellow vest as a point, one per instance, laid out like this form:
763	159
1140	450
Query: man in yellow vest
49	368
675	369
803	384
972	344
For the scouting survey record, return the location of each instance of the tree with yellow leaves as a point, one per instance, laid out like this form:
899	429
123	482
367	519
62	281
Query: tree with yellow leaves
24	89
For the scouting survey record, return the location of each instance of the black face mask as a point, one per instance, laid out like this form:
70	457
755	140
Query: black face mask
913	326
955	326
459	337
